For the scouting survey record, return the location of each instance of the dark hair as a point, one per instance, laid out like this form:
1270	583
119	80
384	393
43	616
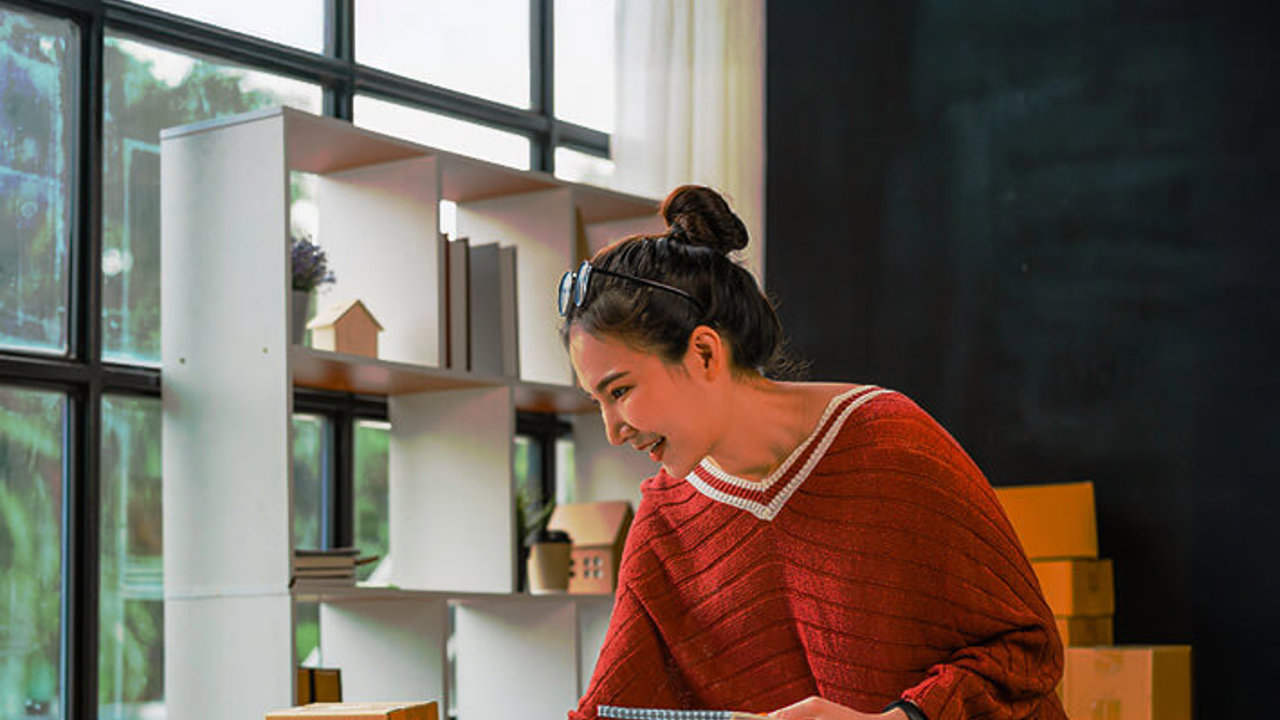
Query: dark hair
693	255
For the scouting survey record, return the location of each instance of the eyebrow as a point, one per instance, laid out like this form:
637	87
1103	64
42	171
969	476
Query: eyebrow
604	382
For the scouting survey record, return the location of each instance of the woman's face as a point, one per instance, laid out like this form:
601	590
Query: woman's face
656	407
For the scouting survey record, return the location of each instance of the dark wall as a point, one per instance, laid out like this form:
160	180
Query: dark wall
1053	224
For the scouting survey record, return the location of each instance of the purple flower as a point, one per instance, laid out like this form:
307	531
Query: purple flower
310	266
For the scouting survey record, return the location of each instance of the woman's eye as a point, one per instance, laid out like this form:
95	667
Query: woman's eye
618	392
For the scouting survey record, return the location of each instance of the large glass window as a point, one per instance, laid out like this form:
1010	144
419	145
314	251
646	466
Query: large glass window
131	592
372	530
299	23
580	167
442	131
585	41
310	471
149	88
36	133
478	47
32	441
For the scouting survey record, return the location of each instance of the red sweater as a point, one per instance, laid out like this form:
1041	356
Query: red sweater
874	564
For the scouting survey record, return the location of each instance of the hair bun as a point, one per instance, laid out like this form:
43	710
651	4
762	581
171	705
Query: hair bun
698	215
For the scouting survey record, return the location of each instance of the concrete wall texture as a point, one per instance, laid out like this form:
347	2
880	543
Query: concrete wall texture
1053	225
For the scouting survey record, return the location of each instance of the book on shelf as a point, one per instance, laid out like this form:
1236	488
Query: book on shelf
492	292
335	567
442	300
330	558
457	313
508	307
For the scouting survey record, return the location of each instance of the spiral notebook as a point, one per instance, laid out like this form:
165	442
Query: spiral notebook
635	713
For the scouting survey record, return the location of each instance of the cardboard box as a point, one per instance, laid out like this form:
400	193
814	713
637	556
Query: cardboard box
1077	587
1083	630
1053	521
360	711
1138	682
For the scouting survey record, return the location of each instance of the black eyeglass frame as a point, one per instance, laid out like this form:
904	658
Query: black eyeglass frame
574	285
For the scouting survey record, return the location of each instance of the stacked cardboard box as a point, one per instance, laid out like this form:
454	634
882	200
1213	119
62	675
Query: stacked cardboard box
1059	532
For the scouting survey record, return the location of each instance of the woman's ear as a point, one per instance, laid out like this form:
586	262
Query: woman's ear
707	355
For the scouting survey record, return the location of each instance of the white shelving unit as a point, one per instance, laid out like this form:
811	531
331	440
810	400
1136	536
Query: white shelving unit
229	373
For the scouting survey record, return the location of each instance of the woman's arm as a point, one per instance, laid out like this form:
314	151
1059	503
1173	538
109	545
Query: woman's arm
634	668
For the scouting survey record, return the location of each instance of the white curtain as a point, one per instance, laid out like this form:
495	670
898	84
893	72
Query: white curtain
691	103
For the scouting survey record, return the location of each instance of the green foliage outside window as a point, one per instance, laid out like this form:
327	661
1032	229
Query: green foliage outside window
31	459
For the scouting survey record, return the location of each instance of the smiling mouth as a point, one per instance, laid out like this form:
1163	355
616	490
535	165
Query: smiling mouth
654	448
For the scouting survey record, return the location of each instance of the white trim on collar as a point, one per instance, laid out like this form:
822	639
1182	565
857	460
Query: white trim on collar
823	438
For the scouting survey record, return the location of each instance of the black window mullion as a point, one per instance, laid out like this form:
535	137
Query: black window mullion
81	515
82	496
339	44
542	81
338	524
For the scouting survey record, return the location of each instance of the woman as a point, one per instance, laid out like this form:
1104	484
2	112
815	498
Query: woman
813	550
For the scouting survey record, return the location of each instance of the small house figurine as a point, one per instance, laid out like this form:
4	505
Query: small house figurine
347	327
598	530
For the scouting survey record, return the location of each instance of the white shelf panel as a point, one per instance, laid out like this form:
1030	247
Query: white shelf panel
599	205
226	396
379	593
451	491
517	659
228	657
387	649
341	372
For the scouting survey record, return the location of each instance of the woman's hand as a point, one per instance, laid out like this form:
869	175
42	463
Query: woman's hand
815	708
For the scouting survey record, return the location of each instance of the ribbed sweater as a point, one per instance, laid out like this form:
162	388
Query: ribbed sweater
874	564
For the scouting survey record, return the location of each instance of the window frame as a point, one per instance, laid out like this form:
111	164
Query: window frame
84	377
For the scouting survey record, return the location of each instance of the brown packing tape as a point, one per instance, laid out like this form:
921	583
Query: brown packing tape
1077	586
1085	631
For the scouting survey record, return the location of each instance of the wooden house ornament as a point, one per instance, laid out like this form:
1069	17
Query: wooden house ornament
598	531
346	327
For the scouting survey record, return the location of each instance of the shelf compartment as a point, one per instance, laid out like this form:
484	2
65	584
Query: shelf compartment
340	372
451	495
388	647
324	370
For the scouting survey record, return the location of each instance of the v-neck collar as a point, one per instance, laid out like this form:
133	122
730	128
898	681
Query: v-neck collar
764	498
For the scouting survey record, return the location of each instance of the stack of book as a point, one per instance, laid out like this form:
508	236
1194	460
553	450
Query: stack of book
335	567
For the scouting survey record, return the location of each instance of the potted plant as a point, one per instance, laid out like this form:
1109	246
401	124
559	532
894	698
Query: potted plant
309	269
544	554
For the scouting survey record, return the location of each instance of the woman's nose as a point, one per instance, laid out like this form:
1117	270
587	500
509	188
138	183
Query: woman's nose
615	428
